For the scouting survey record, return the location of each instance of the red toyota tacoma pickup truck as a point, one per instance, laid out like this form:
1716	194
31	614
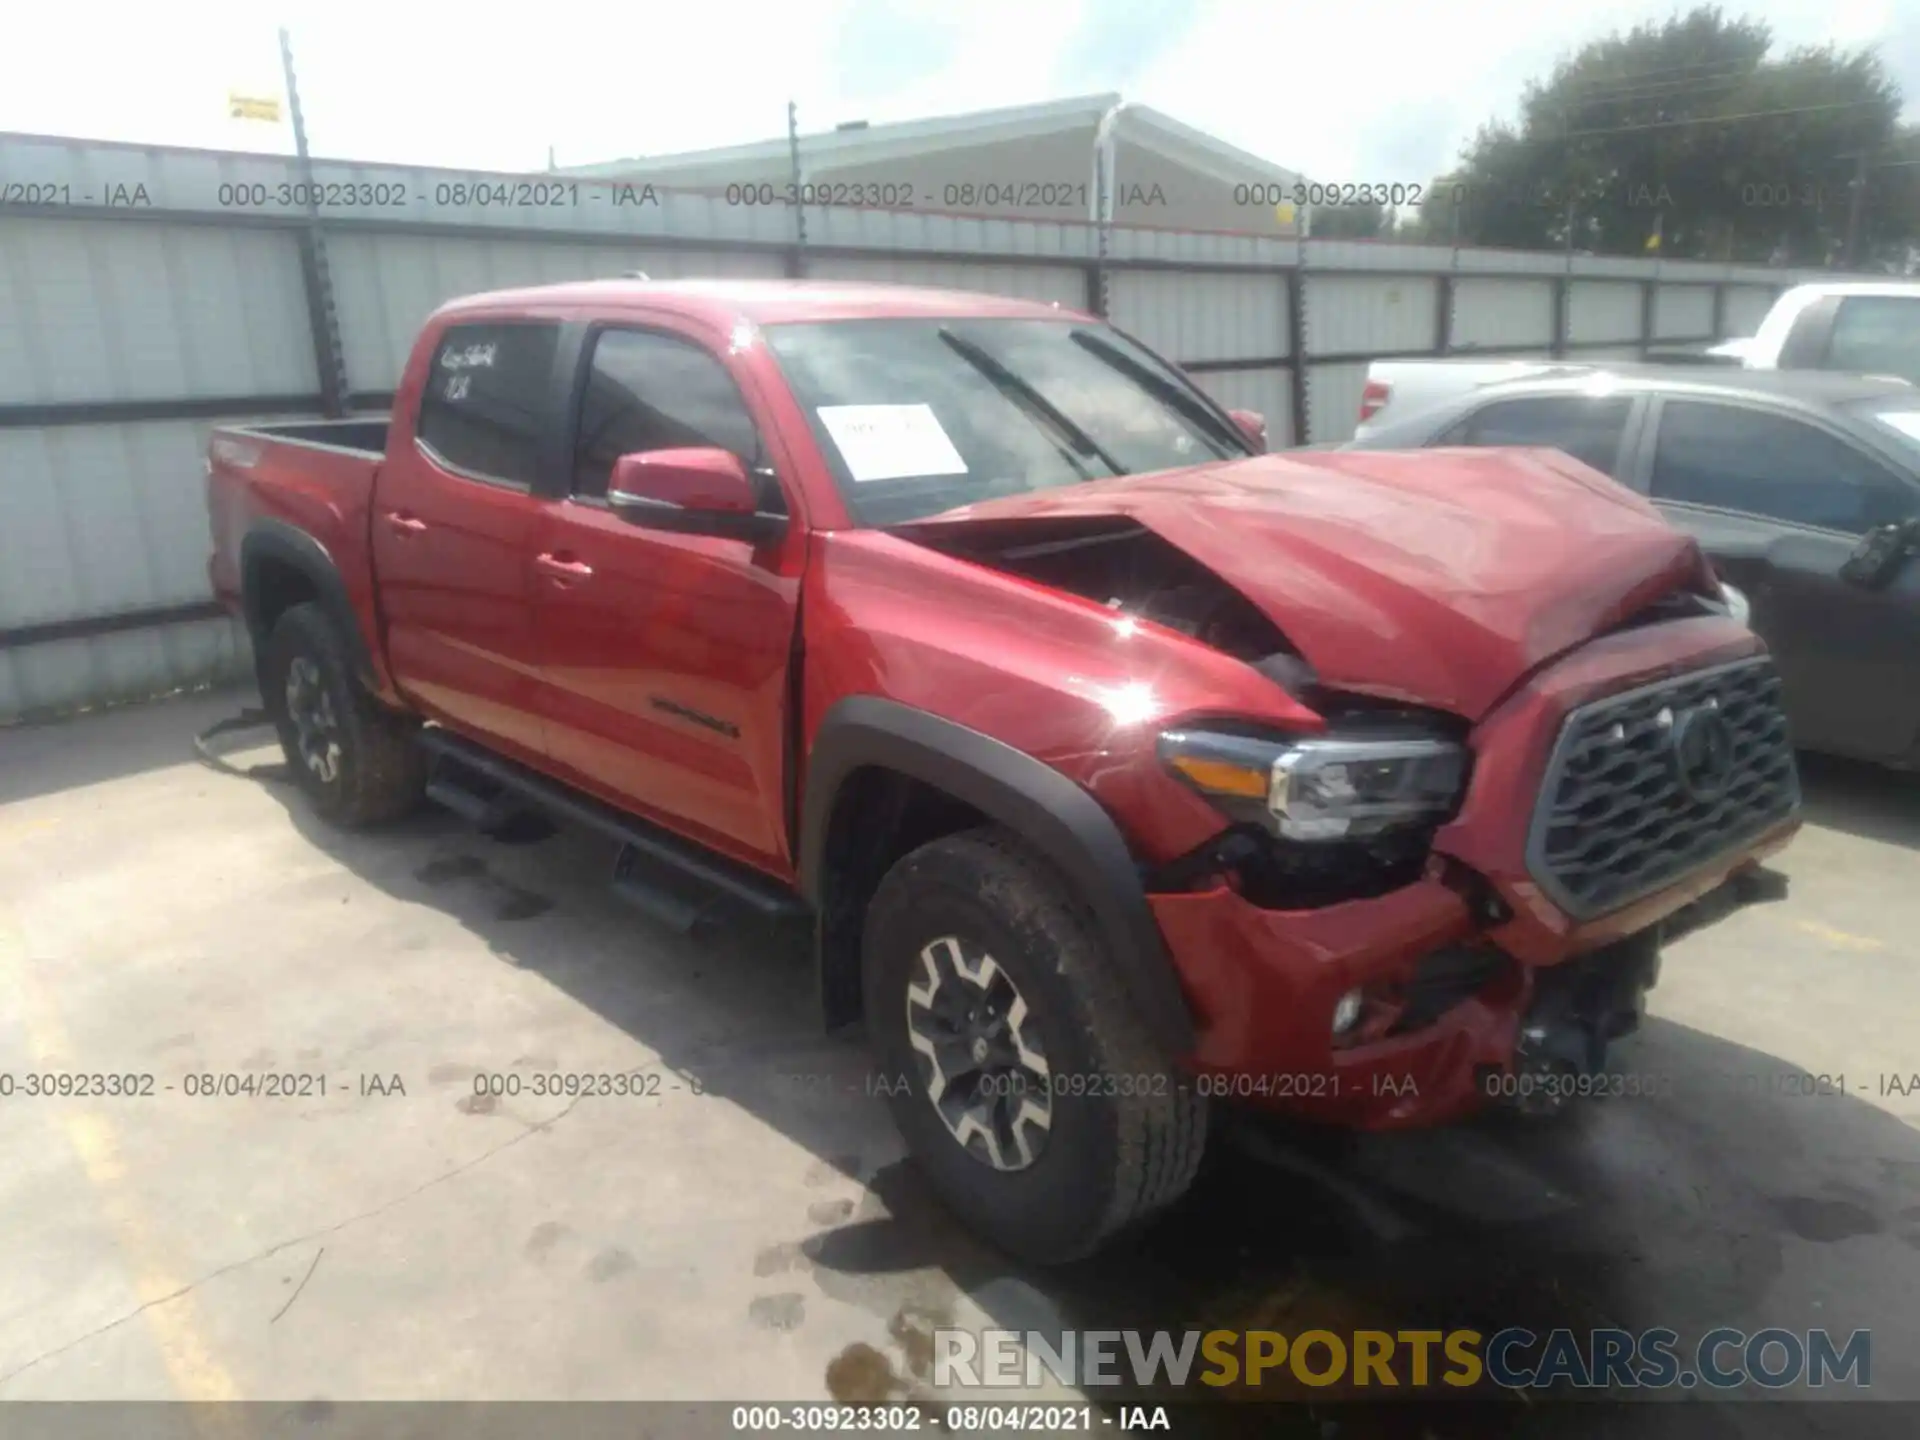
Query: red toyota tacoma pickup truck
1124	769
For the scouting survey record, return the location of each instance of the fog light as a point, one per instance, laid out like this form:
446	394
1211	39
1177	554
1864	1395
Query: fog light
1346	1012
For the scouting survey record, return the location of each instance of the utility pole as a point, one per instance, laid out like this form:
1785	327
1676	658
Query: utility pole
322	314
799	191
1856	203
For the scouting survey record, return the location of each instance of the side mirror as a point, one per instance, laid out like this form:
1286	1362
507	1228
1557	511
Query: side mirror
1880	554
1253	424
701	490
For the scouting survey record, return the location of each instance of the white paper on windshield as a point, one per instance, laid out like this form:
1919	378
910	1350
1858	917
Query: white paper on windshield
890	442
1907	422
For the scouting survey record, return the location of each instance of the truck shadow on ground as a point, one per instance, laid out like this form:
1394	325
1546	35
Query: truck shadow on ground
1677	1206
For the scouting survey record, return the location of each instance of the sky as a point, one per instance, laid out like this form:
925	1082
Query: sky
1356	91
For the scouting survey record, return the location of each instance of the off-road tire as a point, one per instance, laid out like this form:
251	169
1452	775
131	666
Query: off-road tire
1116	1154
382	772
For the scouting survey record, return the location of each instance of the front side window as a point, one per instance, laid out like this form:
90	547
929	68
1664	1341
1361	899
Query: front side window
1748	461
648	391
1878	335
486	395
924	415
1586	427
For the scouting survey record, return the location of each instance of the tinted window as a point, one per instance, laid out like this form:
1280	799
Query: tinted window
1746	460
484	398
647	391
1877	334
1585	427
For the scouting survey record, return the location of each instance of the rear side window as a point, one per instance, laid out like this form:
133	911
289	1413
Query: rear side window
1877	334
486	395
648	391
1586	427
1768	465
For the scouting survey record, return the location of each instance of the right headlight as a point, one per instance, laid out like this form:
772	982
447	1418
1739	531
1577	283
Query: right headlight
1321	788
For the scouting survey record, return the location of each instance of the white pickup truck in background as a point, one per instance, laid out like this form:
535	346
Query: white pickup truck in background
1866	326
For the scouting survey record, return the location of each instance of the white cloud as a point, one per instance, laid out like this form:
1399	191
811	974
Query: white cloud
452	84
1360	90
1363	90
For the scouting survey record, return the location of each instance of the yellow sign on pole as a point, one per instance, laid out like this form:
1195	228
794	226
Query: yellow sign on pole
250	107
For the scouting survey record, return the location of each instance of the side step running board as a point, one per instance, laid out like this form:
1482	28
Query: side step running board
673	879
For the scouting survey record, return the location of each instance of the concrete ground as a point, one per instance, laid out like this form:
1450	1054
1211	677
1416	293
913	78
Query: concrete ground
749	1229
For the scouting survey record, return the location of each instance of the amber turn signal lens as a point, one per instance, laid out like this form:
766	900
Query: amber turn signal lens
1219	777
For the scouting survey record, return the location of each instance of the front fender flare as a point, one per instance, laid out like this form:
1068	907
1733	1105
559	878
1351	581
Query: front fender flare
1052	813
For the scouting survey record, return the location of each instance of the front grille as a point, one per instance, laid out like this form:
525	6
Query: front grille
1645	787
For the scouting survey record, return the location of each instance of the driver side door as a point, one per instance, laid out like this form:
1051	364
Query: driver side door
664	654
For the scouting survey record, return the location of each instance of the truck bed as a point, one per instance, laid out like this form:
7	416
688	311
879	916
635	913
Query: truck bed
312	478
363	434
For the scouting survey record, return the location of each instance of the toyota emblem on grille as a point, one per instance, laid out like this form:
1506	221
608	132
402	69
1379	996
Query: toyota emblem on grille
1702	750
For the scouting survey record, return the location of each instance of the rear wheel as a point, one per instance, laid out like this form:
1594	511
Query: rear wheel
357	760
1018	1071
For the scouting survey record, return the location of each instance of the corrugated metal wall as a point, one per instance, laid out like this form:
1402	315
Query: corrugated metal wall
167	291
106	517
1201	317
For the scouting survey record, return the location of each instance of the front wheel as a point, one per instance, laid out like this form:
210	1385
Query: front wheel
1018	1071
357	760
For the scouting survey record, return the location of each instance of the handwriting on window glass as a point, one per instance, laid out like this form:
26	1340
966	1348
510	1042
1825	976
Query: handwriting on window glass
473	357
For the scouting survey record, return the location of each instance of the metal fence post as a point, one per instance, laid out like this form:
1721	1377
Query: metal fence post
323	316
1297	345
797	256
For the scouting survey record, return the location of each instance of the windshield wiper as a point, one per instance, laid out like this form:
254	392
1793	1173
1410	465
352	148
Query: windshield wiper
1164	389
1035	405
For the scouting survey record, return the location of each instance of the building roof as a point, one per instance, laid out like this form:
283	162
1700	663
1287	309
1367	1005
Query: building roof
862	144
767	302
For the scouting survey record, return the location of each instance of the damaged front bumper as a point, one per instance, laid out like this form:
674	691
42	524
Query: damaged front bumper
1477	983
1450	1021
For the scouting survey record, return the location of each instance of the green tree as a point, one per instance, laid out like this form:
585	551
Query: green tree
1683	138
1351	222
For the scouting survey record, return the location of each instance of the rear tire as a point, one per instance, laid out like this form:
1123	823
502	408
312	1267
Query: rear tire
1071	1126
357	760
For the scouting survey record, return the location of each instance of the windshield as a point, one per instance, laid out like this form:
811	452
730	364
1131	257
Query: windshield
924	415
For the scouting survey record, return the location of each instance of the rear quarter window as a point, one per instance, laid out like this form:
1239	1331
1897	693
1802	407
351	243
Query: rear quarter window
486	398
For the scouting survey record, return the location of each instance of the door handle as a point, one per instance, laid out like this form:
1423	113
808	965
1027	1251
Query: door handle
401	523
562	568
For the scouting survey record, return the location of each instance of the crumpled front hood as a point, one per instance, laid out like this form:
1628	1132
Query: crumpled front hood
1439	577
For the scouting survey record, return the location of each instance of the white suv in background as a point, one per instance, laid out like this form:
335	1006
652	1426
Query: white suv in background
1869	327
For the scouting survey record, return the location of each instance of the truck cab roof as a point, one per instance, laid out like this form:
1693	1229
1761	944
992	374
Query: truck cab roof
764	302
